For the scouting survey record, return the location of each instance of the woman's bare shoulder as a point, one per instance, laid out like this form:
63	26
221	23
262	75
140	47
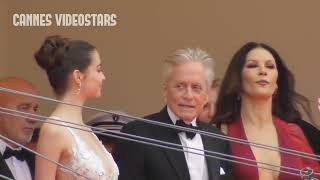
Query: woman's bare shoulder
53	133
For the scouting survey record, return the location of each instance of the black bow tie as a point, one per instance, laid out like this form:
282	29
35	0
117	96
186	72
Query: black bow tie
181	123
19	154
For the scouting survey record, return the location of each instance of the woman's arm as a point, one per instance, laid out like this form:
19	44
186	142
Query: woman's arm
50	144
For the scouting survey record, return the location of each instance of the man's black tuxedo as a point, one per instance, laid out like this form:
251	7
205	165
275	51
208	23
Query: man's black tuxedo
29	157
138	161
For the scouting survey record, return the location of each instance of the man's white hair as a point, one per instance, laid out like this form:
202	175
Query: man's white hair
186	55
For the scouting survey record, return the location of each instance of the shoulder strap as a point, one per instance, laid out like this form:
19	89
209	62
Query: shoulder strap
67	127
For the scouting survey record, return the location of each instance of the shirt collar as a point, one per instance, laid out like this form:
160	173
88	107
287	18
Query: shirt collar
174	117
3	146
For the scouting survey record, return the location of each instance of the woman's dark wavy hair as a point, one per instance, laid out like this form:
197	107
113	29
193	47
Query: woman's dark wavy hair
285	102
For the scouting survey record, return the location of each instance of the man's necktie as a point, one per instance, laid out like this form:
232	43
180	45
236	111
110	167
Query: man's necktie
19	154
181	123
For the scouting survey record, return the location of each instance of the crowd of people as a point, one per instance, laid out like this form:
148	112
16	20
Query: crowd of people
255	101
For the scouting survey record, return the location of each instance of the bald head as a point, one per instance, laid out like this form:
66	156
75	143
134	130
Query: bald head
19	129
14	83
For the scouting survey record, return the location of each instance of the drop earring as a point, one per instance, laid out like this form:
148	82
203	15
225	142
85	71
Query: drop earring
79	89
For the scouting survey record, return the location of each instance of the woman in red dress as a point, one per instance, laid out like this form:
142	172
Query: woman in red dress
257	102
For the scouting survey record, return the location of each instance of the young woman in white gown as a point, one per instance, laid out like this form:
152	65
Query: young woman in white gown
74	72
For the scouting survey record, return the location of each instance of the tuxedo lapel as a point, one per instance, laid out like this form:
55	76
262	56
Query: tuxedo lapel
209	144
4	169
30	159
176	158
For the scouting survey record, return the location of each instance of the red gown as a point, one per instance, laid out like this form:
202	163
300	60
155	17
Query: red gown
289	136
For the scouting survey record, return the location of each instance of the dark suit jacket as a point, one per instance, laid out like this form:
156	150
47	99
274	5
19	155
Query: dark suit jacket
5	171
144	162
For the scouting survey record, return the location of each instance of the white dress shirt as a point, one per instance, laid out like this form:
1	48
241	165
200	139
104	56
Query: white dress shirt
19	169
196	163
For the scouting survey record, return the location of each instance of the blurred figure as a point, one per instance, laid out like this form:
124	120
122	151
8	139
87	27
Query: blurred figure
188	75
210	107
257	102
15	162
75	73
319	104
111	123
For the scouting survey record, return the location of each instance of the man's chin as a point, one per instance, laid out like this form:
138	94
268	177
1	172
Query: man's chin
25	140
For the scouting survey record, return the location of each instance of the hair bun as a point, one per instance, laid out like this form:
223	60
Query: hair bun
51	52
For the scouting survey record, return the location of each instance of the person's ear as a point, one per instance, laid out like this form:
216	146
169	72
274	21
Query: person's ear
77	76
164	91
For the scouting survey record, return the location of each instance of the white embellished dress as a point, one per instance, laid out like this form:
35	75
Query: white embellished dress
85	163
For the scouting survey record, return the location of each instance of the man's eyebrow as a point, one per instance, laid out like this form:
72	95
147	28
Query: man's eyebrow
25	104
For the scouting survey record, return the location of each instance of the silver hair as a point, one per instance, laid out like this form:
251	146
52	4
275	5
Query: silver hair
185	55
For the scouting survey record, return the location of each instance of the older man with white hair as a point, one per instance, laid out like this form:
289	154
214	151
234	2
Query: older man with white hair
188	75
